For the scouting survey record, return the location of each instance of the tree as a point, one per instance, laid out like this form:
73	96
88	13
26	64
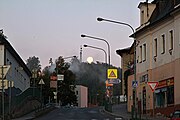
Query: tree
66	87
93	76
46	87
33	63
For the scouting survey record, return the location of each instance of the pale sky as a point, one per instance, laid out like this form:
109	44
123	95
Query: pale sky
52	28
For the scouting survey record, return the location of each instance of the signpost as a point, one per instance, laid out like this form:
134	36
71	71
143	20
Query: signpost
153	86
134	83
60	77
112	73
3	71
41	82
114	81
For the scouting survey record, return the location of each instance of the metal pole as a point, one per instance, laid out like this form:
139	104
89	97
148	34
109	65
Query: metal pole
2	93
101	40
10	85
153	104
98	49
56	85
41	95
134	89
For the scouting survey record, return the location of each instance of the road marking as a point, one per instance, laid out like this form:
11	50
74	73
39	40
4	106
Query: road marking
118	118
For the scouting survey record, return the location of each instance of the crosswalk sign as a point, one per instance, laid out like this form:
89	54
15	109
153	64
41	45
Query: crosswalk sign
112	73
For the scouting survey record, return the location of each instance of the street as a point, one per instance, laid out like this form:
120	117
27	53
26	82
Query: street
78	114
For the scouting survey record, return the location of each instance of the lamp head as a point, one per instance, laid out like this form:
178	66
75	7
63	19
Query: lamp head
85	45
100	19
83	35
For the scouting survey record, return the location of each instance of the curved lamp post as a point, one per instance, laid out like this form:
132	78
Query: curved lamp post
96	38
98	49
126	24
104	53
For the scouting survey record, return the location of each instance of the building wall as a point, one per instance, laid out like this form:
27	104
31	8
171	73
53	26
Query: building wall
2	54
163	67
16	73
82	95
125	61
130	93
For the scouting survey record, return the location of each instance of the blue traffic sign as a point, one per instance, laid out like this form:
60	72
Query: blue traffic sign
134	84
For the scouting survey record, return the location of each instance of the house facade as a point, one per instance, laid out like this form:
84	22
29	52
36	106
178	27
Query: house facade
18	75
82	95
127	61
157	58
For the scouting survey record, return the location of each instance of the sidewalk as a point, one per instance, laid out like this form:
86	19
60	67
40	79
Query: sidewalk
29	116
120	110
37	113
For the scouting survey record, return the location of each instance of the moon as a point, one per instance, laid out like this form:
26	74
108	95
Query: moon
90	60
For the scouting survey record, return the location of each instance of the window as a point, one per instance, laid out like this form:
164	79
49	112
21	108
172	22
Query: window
144	50
140	54
171	39
161	97
142	17
163	44
155	47
170	95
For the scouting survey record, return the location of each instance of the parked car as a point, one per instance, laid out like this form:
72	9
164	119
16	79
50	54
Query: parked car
175	115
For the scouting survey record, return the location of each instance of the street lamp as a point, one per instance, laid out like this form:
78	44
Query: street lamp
98	49
105	57
134	87
96	38
102	50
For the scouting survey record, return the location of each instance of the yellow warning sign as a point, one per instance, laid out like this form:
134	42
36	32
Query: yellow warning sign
112	73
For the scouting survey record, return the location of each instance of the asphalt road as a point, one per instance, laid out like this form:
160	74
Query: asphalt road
78	114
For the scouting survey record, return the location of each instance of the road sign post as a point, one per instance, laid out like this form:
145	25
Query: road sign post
4	69
153	86
114	81
112	74
41	82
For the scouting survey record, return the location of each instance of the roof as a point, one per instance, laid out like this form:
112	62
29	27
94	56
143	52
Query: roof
14	53
121	51
163	10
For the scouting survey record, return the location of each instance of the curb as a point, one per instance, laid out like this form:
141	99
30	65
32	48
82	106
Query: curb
113	114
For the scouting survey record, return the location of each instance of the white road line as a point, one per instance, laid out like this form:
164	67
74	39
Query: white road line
118	118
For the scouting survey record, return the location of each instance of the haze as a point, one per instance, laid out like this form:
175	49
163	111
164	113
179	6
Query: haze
52	28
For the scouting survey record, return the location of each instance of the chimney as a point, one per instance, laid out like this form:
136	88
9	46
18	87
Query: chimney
146	10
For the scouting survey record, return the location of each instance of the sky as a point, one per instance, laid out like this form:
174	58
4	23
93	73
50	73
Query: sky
52	28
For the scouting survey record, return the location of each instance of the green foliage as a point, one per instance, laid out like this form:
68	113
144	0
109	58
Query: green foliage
66	87
93	76
33	63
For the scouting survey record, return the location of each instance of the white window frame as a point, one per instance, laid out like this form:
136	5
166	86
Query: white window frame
140	53
163	43
171	39
155	47
144	52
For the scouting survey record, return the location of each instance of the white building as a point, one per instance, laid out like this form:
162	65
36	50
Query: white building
18	73
82	95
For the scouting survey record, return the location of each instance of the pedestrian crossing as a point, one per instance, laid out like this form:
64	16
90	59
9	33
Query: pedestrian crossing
109	119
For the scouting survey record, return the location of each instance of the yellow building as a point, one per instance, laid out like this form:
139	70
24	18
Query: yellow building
157	58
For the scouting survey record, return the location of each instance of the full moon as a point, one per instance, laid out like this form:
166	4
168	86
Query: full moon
89	59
